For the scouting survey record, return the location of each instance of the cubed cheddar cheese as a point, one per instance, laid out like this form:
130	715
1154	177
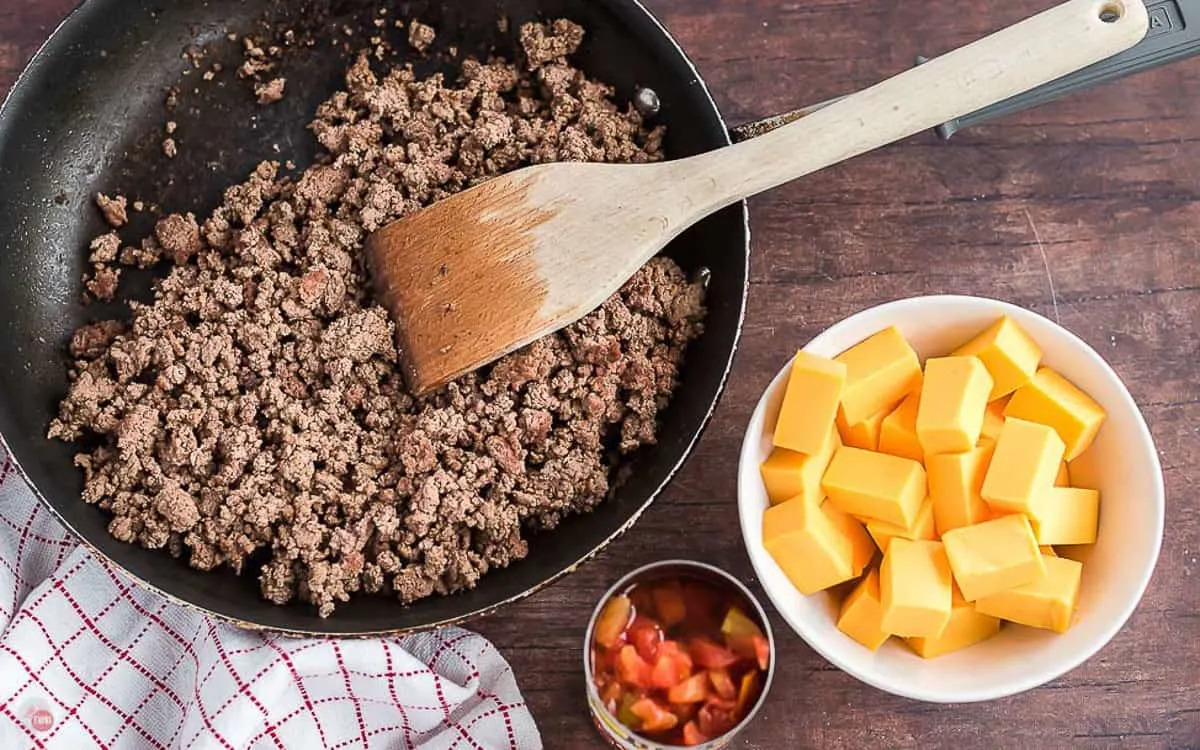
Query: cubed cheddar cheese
861	614
875	486
810	404
966	627
954	397
1009	354
993	556
1051	399
808	545
862	547
955	484
1064	476
1066	515
915	589
993	421
898	433
880	371
1024	463
863	435
1047	602
883	533
787	474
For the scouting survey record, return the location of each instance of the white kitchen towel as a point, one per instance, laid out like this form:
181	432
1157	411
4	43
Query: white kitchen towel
90	660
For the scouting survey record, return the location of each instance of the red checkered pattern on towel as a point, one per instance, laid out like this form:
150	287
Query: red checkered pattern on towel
89	660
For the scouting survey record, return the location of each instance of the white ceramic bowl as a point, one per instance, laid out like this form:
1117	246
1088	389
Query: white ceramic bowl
1122	463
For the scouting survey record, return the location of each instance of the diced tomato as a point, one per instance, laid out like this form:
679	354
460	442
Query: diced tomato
737	624
714	722
655	718
709	655
671	667
692	735
692	690
747	692
613	620
633	669
725	704
752	648
669	604
722	683
645	635
685	711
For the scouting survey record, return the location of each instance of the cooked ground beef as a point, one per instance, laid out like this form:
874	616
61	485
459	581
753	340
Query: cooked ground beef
256	408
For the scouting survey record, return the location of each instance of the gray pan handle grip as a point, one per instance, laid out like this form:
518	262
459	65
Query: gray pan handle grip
1174	35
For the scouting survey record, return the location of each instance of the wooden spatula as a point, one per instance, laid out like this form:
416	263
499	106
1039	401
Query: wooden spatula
489	270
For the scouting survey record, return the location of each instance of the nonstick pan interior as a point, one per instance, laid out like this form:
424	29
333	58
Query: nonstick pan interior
88	116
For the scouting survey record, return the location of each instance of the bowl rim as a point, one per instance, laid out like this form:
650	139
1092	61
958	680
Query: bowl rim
1037	677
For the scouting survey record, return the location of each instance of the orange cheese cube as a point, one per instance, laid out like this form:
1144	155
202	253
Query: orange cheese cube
898	433
915	589
861	546
809	547
1047	602
875	486
861	615
955	486
993	420
1025	463
863	435
954	398
1066	515
810	404
880	371
1051	399
1048	551
883	533
993	556
787	474
1064	476
1009	354
967	627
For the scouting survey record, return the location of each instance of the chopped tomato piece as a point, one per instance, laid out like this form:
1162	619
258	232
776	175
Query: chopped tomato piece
645	635
714	721
632	669
669	604
671	667
725	704
737	624
613	620
747	692
752	648
692	734
685	711
692	690
722	683
709	655
655	718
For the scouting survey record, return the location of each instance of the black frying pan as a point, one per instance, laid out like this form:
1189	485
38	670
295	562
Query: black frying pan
87	117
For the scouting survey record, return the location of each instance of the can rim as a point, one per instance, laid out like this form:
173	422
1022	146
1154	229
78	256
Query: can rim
623	582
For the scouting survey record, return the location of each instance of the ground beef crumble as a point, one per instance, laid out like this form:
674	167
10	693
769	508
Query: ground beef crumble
255	408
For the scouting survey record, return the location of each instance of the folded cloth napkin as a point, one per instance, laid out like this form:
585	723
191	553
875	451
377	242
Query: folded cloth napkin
89	660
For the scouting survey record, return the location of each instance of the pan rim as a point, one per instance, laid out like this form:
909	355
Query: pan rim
676	465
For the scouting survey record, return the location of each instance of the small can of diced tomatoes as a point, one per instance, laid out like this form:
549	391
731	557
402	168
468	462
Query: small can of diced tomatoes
677	654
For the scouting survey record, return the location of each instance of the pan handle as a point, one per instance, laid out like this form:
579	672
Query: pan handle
1174	35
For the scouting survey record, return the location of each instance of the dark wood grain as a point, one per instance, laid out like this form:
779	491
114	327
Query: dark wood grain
1087	210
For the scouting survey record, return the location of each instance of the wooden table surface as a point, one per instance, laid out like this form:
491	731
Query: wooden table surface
1086	210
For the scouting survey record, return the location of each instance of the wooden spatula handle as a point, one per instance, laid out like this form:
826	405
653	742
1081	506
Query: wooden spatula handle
1016	59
